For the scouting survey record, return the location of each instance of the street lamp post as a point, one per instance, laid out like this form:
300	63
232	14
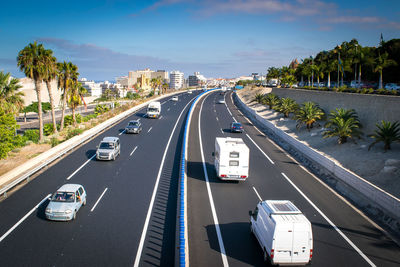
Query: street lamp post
338	69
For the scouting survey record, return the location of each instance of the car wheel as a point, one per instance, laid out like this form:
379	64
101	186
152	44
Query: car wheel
74	215
113	158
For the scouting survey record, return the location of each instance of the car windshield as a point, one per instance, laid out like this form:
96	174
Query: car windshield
106	145
63	197
236	125
152	109
133	124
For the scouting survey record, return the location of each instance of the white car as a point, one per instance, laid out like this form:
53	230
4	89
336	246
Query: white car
65	202
174	98
221	101
190	92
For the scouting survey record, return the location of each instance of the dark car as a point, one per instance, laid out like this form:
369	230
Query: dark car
133	127
236	127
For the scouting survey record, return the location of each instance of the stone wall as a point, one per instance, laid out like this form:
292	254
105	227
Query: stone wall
371	109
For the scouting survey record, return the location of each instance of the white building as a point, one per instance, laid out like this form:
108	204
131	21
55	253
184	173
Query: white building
176	80
94	89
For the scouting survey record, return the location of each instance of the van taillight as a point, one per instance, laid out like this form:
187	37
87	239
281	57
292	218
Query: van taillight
310	254
223	175
272	253
243	176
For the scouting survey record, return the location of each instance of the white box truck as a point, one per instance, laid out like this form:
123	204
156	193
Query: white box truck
231	158
283	232
154	110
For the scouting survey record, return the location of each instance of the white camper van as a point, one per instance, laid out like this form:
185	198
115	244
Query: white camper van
231	158
154	109
283	232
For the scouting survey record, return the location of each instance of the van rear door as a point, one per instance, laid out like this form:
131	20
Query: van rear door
301	246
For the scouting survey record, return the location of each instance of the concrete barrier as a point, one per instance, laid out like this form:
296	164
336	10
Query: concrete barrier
371	195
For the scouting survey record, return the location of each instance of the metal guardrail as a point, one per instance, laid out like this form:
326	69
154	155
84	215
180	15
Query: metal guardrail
80	140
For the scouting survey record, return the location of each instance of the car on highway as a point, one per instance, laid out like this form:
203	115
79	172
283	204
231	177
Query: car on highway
134	126
66	202
189	92
236	127
108	149
174	98
221	101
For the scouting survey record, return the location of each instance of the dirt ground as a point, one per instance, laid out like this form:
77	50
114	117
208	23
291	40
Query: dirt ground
377	166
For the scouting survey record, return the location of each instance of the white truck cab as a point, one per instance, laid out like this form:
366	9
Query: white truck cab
283	232
231	158
154	109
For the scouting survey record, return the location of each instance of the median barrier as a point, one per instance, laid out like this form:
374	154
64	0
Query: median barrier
25	171
365	194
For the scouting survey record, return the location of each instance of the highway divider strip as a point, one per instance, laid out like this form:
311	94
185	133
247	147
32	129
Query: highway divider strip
29	168
183	245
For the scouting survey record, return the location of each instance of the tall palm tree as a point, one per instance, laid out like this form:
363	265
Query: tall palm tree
387	133
382	62
74	97
308	114
10	98
50	75
30	61
343	124
67	74
365	59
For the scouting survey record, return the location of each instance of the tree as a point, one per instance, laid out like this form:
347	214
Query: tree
74	97
67	74
343	124
382	62
30	61
49	76
8	139
387	133
165	87
308	114
271	100
10	98
287	106
259	98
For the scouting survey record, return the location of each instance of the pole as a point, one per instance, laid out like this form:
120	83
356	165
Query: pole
338	69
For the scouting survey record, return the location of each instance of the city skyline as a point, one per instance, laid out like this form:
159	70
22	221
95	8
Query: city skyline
106	39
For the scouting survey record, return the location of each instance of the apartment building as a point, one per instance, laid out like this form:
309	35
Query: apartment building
144	76
197	79
93	88
176	80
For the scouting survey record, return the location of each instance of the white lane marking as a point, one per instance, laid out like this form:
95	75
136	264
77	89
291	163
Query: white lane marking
168	109
150	129
270	160
215	111
23	218
133	151
83	165
122	132
214	213
160	117
330	222
222	131
146	223
258	195
216	118
97	202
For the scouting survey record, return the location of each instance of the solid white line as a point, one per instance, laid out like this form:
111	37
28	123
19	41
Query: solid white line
222	131
133	151
258	195
216	118
122	132
270	160
150	129
83	165
330	222
214	213
23	218
146	223
97	202
168	109
160	117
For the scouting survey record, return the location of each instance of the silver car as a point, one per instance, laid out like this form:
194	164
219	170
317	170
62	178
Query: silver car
108	149
65	203
133	127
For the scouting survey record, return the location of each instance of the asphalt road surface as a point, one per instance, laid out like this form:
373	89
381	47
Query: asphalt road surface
342	237
130	216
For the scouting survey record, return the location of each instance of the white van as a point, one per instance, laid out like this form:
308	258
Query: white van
154	110
283	232
231	158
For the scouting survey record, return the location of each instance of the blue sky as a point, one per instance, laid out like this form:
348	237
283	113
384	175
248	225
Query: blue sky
218	38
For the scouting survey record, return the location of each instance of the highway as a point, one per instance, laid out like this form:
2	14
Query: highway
130	216
218	218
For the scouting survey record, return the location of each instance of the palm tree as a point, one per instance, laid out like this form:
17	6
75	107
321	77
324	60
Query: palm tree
319	71
74	97
10	98
343	124
308	114
67	74
30	61
287	106
387	133
382	62
271	100
165	87
365	59
50	75
259	98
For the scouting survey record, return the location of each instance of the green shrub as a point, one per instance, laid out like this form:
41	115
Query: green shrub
32	135
89	117
101	108
54	141
68	119
150	94
116	104
48	129
73	132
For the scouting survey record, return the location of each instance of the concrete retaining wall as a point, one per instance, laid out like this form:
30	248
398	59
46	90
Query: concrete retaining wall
364	193
371	109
